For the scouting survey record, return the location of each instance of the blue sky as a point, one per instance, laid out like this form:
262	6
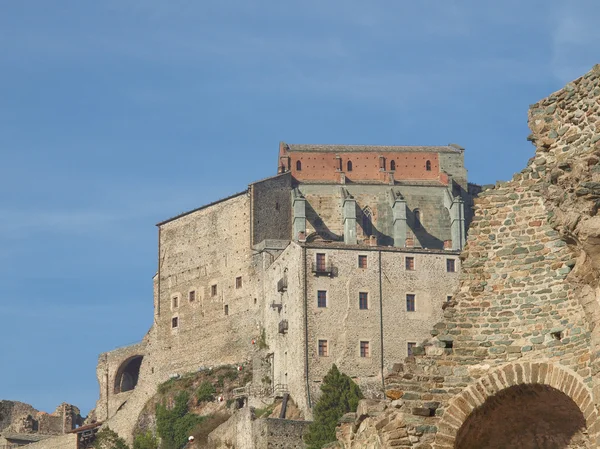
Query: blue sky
117	114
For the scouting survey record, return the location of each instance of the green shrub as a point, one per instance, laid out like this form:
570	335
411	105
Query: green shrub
108	439
340	396
145	441
175	426
206	392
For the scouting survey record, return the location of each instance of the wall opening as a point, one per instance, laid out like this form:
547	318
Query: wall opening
128	374
532	416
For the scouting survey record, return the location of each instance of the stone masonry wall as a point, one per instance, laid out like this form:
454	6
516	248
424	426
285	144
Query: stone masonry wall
271	208
526	309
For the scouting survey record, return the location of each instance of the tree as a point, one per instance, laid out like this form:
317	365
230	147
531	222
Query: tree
108	439
340	395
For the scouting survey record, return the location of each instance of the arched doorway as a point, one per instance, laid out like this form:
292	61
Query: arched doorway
547	405
530	416
128	374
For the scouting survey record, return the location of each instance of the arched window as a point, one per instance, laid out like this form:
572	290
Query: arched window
428	165
299	165
349	166
367	223
393	165
418	224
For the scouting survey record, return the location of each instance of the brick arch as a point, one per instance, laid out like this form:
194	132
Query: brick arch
562	379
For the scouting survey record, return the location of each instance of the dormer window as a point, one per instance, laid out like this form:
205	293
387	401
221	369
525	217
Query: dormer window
428	165
298	166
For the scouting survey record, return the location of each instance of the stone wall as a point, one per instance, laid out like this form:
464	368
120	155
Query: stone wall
522	326
271	208
68	441
272	433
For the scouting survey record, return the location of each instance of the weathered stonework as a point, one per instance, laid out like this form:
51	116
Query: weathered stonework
521	332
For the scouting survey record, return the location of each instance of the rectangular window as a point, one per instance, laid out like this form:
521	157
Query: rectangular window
364	349
174	322
362	261
450	265
410	347
410	303
410	263
363	300
323	352
213	290
175	302
238	282
320	262
192	295
226	309
321	298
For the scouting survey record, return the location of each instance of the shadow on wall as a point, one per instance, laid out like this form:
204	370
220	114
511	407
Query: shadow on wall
128	374
526	417
415	225
322	231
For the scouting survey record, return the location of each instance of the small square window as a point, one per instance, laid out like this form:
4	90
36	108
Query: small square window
450	265
362	261
364	349
175	302
174	322
363	300
449	298
410	303
321	298
192	295
238	282
323	350
410	346
226	309
409	263
213	290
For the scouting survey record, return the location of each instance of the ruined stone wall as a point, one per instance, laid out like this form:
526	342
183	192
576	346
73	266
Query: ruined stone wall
526	310
107	368
272	433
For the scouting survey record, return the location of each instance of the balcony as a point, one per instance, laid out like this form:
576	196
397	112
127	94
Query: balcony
282	285
323	269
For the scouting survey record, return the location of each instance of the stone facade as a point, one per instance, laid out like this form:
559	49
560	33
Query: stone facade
514	362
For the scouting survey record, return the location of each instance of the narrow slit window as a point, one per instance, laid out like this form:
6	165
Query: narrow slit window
298	165
174	322
226	309
392	165
238	282
428	165
192	295
175	302
418	224
349	166
213	290
367	222
410	303
450	265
